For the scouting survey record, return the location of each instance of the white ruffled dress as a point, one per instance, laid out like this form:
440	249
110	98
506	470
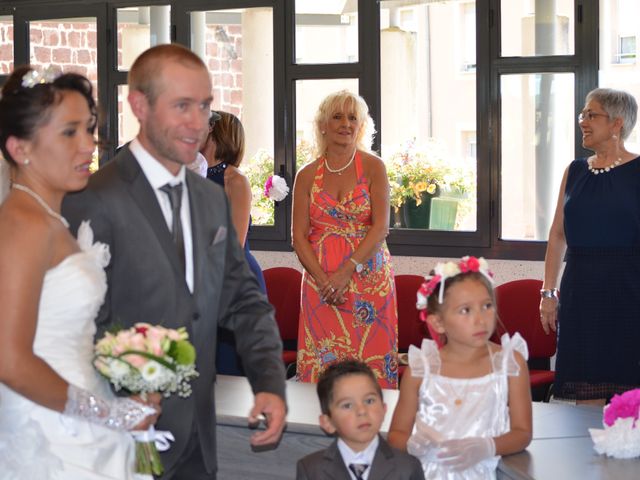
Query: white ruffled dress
454	408
39	443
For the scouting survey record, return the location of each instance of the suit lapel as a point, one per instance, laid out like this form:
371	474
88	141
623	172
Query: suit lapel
198	232
382	466
144	196
334	467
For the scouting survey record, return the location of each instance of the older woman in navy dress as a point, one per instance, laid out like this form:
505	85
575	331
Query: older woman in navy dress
597	223
224	150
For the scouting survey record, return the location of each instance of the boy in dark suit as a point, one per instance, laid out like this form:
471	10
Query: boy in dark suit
353	409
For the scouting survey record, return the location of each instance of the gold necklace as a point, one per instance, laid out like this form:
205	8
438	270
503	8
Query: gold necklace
607	169
341	169
41	201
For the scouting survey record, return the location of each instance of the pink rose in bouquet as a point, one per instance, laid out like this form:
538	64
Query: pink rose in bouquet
145	359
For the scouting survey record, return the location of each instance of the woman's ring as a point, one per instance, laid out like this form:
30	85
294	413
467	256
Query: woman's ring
333	290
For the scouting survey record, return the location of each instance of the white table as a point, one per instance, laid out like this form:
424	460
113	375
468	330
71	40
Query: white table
561	449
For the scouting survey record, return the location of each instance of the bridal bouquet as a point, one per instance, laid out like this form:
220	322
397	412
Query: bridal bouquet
144	359
621	435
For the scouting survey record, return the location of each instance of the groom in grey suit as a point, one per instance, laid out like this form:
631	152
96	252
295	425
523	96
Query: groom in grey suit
175	257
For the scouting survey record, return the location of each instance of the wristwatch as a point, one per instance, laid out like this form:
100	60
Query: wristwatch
549	293
359	266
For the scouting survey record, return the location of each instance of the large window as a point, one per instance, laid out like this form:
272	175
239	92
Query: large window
474	102
619	67
428	136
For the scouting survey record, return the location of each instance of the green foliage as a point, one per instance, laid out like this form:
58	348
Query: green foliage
182	352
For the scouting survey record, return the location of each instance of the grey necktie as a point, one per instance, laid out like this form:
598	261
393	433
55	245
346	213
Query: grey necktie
358	469
175	199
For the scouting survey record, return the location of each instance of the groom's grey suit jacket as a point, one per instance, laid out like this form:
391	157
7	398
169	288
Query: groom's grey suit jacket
146	284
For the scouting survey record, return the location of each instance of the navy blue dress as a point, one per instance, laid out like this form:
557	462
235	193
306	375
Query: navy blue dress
227	359
599	311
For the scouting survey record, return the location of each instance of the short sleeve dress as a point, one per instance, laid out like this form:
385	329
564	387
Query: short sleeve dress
454	408
599	308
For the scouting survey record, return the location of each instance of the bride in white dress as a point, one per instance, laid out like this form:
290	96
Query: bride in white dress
58	417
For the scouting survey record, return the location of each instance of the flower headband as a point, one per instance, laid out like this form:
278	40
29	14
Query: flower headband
34	77
446	270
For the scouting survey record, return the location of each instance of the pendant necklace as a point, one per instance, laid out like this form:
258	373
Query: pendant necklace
41	201
341	169
458	396
606	169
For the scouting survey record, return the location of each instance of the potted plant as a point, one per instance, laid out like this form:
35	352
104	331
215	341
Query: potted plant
416	175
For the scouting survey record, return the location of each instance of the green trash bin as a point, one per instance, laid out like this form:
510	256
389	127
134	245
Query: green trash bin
443	213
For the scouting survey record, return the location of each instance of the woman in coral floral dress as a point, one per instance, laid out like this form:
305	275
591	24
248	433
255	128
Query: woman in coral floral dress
340	221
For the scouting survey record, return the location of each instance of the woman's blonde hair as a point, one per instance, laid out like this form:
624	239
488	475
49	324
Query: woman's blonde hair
347	102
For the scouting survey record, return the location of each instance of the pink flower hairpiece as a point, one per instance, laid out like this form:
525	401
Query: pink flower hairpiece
445	270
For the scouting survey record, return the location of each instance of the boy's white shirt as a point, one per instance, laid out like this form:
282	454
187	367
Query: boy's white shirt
365	456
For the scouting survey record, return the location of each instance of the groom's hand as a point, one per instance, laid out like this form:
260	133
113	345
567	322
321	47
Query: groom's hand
274	410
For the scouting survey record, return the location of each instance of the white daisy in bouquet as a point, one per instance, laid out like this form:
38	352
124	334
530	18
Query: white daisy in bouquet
146	359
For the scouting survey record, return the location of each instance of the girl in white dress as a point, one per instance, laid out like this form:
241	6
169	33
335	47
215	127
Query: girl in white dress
468	401
58	417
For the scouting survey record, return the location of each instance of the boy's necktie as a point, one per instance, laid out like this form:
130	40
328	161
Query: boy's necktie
358	469
175	199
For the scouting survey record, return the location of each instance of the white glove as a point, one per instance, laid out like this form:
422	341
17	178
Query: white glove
120	414
463	453
423	439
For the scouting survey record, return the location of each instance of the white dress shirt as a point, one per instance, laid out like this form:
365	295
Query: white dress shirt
365	456
158	176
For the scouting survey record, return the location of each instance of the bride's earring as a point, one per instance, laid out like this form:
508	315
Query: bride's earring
26	161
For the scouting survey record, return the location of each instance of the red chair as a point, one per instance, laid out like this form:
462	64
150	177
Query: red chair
283	290
518	307
411	330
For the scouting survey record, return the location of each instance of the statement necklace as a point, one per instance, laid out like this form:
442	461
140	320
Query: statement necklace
341	169
42	203
606	169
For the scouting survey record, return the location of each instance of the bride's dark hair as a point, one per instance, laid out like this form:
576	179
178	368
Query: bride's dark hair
25	107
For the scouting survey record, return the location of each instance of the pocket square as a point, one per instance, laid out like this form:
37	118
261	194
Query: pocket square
220	236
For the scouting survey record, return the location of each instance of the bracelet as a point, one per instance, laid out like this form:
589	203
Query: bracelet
549	293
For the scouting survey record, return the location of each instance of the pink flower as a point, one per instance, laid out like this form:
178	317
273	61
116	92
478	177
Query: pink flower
626	405
276	188
267	186
469	264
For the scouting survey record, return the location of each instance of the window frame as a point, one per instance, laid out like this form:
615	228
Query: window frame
490	66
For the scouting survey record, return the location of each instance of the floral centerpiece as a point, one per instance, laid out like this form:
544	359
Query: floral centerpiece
621	435
145	359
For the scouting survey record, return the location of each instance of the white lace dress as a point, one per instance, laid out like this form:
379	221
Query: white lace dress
459	408
39	443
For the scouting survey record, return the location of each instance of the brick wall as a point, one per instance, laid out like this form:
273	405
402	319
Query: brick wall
6	47
73	47
224	59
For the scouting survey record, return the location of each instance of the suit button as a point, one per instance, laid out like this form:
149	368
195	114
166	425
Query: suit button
196	316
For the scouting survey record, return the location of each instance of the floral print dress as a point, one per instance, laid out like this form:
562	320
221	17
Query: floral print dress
366	325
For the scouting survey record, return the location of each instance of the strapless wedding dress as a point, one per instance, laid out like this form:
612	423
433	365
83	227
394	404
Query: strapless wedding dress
39	443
